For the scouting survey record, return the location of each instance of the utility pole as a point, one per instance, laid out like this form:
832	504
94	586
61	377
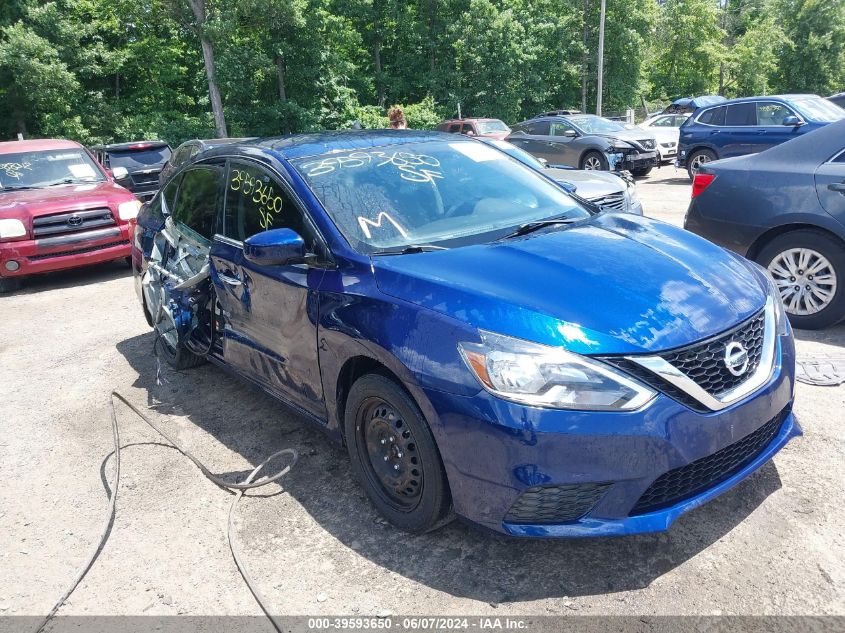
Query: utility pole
600	59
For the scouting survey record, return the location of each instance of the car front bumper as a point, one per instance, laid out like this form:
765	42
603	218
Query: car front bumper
31	257
634	161
496	451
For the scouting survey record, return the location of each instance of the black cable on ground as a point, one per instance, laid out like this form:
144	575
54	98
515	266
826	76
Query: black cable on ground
237	488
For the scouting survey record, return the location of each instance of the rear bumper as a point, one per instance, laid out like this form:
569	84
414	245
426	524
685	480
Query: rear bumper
31	257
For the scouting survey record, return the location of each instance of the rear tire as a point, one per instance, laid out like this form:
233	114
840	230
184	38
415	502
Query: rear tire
394	456
9	284
178	358
594	160
815	263
698	158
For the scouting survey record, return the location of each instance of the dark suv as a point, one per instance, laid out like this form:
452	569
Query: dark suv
750	125
136	166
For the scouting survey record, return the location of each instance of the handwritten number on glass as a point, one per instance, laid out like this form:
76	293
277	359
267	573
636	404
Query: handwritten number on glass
412	167
268	205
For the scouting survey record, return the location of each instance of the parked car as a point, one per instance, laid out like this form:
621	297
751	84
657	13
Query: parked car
586	141
58	209
838	99
665	128
187	150
750	125
609	191
136	166
485	345
785	209
490	128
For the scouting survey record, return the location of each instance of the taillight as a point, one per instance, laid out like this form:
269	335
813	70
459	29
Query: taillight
700	183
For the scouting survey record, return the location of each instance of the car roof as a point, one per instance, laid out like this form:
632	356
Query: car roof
36	145
312	144
787	97
118	147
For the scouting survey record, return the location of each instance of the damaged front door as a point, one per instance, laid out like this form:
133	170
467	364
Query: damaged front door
269	311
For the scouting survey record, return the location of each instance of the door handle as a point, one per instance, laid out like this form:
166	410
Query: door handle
231	281
761	131
837	186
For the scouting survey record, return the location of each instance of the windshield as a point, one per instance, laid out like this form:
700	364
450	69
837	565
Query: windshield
137	159
27	170
431	192
817	109
592	124
491	127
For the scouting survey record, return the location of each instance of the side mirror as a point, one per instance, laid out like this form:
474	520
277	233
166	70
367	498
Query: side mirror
570	133
275	248
792	120
120	173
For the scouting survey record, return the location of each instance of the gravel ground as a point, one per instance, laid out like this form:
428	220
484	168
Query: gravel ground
773	545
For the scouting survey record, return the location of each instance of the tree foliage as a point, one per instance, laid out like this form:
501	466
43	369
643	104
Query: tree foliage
115	70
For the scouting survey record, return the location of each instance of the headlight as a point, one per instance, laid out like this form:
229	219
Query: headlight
781	320
619	146
544	376
10	228
128	210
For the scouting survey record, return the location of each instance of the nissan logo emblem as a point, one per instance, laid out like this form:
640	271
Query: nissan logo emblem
74	220
736	358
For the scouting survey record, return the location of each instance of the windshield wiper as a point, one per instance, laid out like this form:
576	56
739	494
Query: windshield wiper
530	227
411	248
18	188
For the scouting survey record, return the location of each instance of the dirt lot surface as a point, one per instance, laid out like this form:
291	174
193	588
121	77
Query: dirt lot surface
773	545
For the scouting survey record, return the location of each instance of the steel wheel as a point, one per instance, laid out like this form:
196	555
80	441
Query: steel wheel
806	280
394	464
592	162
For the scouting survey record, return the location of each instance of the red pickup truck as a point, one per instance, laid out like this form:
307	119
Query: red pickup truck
59	208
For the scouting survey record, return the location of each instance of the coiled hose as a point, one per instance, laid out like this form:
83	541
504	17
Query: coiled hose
237	488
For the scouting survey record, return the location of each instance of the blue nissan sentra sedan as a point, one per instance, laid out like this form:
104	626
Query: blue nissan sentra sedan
484	345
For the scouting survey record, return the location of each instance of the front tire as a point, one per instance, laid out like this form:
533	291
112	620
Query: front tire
9	284
178	357
698	158
641	173
809	269
394	456
593	160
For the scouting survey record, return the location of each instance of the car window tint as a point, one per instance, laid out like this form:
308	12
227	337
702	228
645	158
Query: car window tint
666	121
168	194
467	129
741	114
519	128
454	128
714	116
840	158
558	128
538	128
769	113
256	202
196	203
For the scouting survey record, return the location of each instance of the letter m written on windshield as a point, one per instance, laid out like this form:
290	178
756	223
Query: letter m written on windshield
366	224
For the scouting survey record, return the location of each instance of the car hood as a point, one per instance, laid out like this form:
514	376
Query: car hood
635	134
614	284
30	203
588	184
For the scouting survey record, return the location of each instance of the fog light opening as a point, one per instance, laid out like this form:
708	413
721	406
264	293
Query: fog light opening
12	266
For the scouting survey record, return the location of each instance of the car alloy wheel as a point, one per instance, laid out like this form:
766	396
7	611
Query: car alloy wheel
394	464
806	280
592	163
697	161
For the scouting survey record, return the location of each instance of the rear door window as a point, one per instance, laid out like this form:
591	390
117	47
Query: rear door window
741	114
714	116
197	201
559	128
538	128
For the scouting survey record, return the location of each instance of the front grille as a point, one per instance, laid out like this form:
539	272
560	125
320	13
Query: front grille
71	222
687	481
145	181
79	251
705	362
555	504
647	143
656	382
612	201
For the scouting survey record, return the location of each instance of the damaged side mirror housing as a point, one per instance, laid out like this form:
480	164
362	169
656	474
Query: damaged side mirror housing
275	248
